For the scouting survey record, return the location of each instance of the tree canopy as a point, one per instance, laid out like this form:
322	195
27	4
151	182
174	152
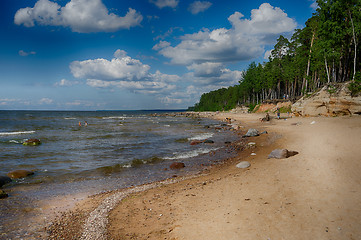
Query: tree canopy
325	51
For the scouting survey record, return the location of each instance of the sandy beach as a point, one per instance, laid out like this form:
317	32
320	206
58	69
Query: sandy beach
315	194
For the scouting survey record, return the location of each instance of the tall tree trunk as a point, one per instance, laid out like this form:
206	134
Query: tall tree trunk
305	79
328	74
355	43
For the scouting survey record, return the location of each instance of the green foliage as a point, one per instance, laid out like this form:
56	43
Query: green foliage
355	86
325	51
285	109
252	107
331	89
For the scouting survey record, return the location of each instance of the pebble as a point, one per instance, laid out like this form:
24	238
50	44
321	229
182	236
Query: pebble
243	164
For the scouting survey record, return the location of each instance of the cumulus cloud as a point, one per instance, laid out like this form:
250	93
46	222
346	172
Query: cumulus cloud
198	6
24	54
165	3
121	67
82	16
207	69
244	41
123	72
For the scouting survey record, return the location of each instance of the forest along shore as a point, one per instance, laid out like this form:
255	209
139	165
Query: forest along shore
314	194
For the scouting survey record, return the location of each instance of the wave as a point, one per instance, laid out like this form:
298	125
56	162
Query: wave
122	118
202	136
16	133
191	154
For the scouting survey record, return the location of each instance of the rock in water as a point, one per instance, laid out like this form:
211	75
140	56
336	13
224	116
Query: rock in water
32	142
177	165
3	194
243	164
19	174
208	141
252	133
4	180
196	142
281	153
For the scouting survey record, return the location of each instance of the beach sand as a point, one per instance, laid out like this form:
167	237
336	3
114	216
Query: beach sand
315	194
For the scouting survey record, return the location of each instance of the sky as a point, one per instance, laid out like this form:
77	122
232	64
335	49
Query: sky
133	54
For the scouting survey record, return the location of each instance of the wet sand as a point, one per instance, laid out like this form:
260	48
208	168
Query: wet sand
313	195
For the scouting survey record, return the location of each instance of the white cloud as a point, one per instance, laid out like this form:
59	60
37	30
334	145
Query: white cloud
267	54
123	72
165	3
314	5
7	101
198	6
66	83
207	69
169	100
82	16
45	101
244	41
24	54
121	67
77	103
161	45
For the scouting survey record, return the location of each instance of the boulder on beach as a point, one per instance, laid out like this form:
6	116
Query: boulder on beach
176	165
32	142
3	194
208	141
19	174
4	180
282	153
252	133
243	164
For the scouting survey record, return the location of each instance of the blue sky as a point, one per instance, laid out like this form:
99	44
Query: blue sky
133	54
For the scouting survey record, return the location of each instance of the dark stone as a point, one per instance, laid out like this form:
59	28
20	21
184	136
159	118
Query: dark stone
32	142
291	153
3	194
4	180
281	153
196	142
19	174
252	133
177	165
208	141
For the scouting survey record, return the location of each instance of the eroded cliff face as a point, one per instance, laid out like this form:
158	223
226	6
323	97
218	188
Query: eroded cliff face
331	100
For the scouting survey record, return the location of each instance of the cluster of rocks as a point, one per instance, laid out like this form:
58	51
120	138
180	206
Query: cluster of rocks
32	142
277	153
16	174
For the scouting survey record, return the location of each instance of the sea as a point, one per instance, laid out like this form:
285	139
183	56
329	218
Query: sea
89	152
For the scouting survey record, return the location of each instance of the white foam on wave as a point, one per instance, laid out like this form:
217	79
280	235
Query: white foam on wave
190	154
202	136
16	133
122	118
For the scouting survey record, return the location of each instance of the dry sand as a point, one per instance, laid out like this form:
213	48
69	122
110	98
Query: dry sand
313	195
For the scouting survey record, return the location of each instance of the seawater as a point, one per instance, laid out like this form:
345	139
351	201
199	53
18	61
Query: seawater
115	149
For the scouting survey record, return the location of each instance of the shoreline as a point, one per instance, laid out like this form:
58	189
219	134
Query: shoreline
88	204
180	210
